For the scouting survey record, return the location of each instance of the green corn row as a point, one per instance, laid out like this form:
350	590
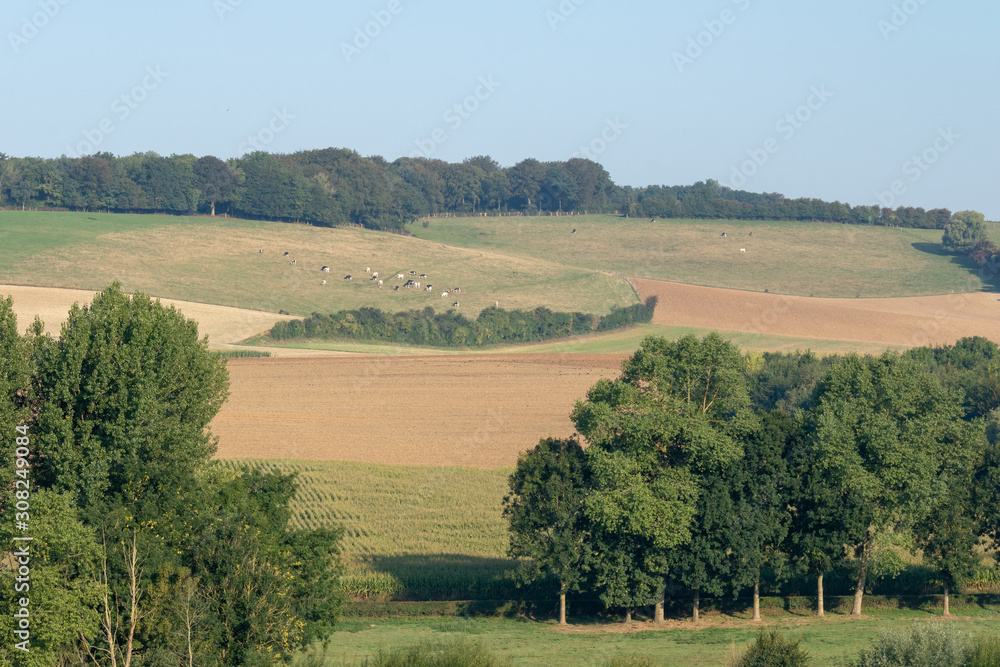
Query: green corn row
240	354
984	579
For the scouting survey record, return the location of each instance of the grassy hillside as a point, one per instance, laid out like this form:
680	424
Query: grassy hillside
803	258
217	261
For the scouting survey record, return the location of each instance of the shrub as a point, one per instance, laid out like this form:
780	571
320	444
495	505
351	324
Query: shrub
460	653
985	652
773	649
926	645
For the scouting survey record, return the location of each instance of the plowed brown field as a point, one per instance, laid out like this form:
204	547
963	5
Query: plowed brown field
224	326
908	322
475	411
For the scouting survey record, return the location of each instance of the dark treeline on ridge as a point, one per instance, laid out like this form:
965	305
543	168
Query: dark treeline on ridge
493	326
338	186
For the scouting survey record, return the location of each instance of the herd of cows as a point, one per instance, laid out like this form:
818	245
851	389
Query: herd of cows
373	277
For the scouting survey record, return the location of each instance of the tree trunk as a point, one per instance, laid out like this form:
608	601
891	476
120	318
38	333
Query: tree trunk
859	590
658	610
213	209
947	611
819	594
694	614
562	609
628	616
756	600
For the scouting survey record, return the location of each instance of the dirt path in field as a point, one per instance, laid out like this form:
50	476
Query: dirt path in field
909	322
224	326
477	411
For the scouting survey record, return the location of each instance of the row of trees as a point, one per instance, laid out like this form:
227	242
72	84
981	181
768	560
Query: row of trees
142	550
493	326
338	186
693	479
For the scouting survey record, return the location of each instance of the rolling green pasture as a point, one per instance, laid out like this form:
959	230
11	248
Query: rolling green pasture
216	261
801	258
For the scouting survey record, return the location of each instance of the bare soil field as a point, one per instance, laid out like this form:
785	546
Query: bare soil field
223	325
445	410
907	322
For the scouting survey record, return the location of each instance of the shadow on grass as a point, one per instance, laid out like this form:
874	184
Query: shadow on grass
426	577
988	274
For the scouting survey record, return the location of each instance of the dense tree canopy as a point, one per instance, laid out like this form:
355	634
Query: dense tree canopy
696	482
337	186
144	551
883	429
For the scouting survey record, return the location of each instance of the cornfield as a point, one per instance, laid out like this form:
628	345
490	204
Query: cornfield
410	532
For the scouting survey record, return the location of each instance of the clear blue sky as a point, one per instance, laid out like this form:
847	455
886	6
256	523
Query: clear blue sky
560	74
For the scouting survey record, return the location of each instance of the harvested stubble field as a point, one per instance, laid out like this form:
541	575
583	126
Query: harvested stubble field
444	410
223	326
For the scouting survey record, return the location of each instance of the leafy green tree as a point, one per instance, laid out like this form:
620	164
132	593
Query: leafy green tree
821	524
964	231
704	564
882	429
63	592
269	189
545	512
637	516
678	412
264	597
92	179
527	178
948	536
15	380
215	181
128	392
761	485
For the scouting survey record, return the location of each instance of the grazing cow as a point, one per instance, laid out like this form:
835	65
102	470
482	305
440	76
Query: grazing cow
293	262
423	275
323	283
396	288
380	283
743	249
413	273
285	255
444	294
260	251
455	305
416	284
375	275
496	304
652	219
751	233
573	232
399	275
368	269
456	289
723	234
325	269
429	288
372	279
347	277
